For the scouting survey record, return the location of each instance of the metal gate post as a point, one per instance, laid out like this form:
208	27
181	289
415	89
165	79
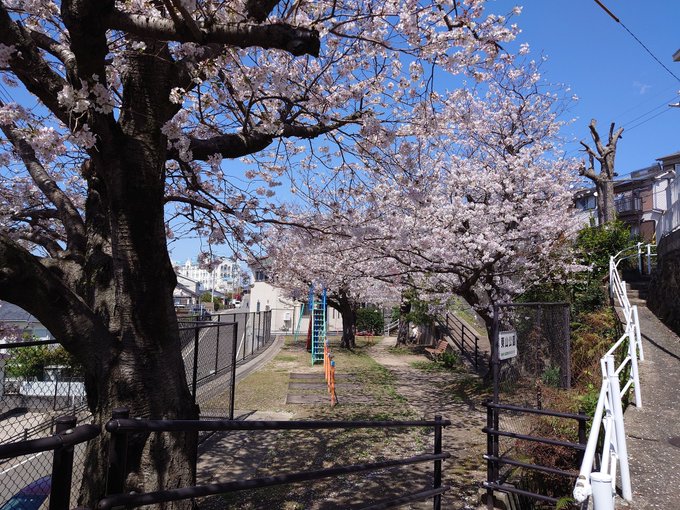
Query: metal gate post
195	371
437	500
603	496
233	373
117	464
62	467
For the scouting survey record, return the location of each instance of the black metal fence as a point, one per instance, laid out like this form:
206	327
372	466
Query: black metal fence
119	427
466	340
537	460
532	452
29	407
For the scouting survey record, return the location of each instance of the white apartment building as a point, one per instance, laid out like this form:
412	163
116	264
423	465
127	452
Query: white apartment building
226	277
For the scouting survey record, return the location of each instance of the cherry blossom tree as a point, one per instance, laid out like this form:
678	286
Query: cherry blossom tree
326	257
474	202
120	124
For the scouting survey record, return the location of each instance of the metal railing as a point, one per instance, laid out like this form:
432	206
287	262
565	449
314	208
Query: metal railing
62	444
495	458
465	339
621	359
389	326
120	426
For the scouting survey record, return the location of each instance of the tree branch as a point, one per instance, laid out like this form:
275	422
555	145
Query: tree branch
297	41
235	145
26	282
259	10
60	51
30	67
68	213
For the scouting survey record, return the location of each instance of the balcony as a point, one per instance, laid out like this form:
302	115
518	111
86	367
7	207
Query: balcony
628	205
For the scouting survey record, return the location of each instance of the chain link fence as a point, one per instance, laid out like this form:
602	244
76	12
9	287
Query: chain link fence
30	404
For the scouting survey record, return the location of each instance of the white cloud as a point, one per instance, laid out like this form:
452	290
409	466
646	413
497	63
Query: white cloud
642	87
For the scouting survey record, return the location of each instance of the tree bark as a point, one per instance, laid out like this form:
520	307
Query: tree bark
347	308
403	329
604	180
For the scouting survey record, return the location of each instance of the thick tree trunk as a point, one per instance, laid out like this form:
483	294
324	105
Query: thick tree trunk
605	201
403	329
349	326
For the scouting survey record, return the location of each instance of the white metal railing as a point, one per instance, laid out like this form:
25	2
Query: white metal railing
389	326
609	411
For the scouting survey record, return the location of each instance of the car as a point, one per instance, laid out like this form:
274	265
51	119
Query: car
30	497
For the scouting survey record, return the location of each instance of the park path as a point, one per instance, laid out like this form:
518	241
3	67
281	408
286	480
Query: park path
456	397
654	461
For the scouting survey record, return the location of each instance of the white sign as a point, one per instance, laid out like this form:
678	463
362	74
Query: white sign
507	344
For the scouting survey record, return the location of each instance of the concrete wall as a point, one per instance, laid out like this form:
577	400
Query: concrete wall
664	289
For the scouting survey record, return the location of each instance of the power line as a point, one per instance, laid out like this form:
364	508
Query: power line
613	16
647	120
662	105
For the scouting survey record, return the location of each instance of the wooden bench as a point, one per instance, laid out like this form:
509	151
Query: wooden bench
437	351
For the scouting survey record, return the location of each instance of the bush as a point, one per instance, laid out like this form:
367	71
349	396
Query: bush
31	361
449	359
370	319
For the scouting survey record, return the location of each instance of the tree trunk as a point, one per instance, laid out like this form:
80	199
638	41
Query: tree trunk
403	329
349	326
605	201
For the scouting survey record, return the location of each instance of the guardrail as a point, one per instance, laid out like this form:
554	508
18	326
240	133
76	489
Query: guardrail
609	411
121	426
465	339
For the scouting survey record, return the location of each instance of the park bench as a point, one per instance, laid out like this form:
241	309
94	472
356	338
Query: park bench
437	351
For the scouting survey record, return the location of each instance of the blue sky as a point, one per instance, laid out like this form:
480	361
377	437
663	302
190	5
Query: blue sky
613	76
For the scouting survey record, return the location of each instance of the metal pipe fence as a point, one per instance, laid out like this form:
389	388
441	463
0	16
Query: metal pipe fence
619	374
466	340
120	426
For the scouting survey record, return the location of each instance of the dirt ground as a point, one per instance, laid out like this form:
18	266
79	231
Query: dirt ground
375	382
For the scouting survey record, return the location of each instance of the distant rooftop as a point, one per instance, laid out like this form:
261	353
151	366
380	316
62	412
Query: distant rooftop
10	312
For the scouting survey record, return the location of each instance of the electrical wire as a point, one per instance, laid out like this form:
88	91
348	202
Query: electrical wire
615	18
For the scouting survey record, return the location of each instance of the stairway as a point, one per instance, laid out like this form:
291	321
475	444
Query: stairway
636	288
318	318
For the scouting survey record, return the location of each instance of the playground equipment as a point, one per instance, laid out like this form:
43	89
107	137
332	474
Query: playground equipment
317	317
329	372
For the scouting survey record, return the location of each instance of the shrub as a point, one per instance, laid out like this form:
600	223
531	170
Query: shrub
449	359
370	319
31	361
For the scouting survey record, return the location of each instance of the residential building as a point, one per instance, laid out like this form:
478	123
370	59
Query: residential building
670	219
641	198
285	311
225	277
16	322
187	293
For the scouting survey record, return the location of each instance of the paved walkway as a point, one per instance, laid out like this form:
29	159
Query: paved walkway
654	461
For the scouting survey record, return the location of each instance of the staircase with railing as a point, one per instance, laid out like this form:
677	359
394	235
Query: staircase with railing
619	375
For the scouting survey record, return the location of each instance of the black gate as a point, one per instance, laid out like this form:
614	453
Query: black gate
533	454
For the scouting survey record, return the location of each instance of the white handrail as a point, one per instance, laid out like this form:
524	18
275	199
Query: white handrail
609	411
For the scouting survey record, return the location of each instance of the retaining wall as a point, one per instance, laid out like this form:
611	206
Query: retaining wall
664	289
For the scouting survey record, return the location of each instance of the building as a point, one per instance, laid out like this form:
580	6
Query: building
670	218
17	323
187	293
641	199
285	311
225	277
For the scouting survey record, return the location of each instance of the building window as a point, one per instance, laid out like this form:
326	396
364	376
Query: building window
257	308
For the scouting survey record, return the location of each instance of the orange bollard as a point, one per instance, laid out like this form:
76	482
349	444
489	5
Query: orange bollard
331	364
334	397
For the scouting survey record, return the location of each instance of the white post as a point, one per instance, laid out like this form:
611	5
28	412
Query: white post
621	448
649	259
636	321
639	253
632	351
603	497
